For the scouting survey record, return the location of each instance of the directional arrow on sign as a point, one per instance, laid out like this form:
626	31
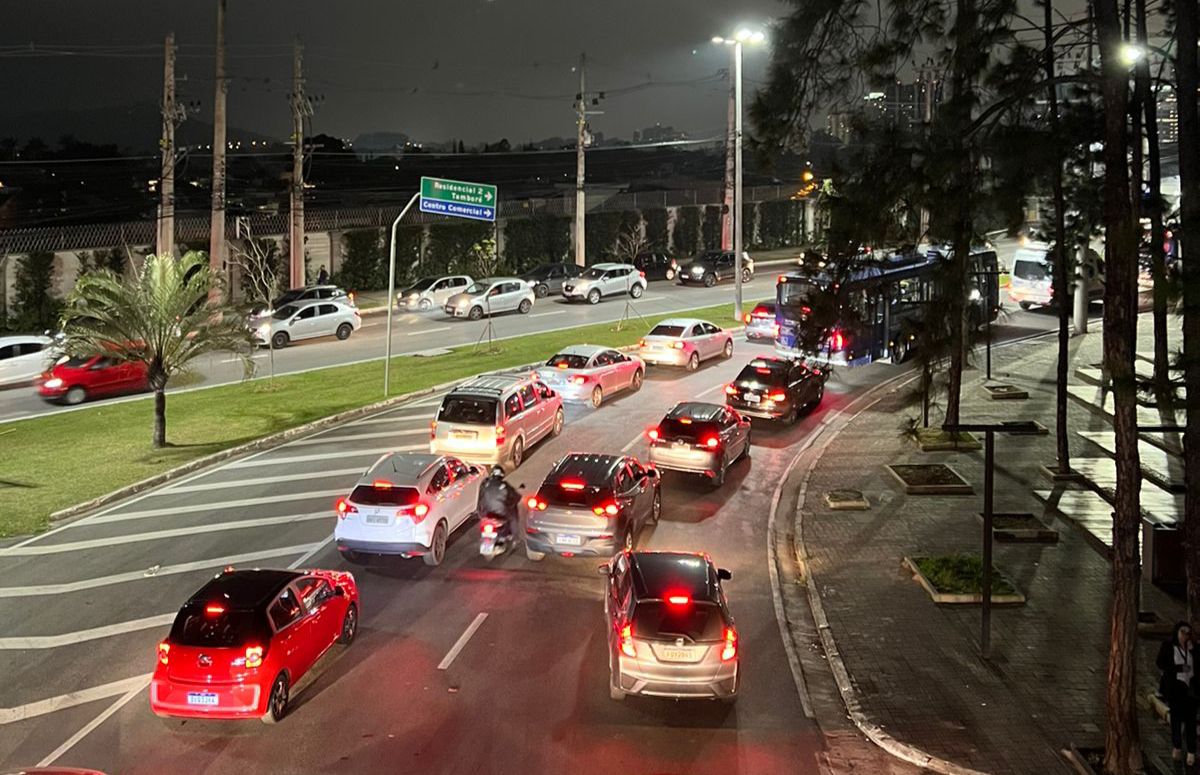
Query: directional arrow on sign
488	196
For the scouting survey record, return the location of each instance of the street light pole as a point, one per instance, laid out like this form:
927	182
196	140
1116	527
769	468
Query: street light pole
737	179
391	297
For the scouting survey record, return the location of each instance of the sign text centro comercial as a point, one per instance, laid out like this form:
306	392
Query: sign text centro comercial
458	198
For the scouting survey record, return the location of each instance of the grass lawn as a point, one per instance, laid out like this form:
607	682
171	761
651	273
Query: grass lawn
961	574
50	463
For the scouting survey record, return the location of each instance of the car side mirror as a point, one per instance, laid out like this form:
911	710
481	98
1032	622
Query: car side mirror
723	574
339	592
520	486
603	569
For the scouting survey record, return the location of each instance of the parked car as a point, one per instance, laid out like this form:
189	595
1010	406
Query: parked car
760	322
656	266
305	294
591	505
23	358
74	380
685	342
246	638
1031	283
670	632
602	280
308	320
430	292
496	419
714	266
549	278
700	438
776	388
587	372
407	504
491	296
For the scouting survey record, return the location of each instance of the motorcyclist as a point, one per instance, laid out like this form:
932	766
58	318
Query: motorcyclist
499	501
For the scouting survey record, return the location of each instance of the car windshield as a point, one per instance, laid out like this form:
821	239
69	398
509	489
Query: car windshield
666	330
694	620
196	626
283	313
708	256
478	288
384	494
568	361
423	284
593	274
468	410
763	375
1030	270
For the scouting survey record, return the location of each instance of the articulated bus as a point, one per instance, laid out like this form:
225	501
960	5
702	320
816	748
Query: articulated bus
878	299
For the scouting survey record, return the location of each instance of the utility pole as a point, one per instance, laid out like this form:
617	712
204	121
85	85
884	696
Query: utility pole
727	194
737	181
172	114
580	141
216	243
300	111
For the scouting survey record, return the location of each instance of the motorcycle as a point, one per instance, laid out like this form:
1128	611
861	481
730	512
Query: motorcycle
492	540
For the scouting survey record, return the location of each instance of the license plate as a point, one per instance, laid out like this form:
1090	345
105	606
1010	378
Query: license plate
675	654
752	399
201	698
464	434
568	540
375	519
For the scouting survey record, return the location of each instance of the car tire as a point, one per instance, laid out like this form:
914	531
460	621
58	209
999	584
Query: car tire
74	396
693	362
349	625
279	340
518	453
277	700
747	275
655	508
817	401
525	306
344	331
727	353
900	351
628	539
719	476
636	291
593	296
437	547
476	313
541	290
597	397
425	305
533	556
556	429
792	416
710	280
746	450
636	383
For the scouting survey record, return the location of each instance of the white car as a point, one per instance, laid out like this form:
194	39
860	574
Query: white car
685	342
430	292
308	320
602	280
22	358
407	504
490	296
588	372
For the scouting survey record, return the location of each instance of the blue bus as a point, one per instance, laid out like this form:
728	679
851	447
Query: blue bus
873	304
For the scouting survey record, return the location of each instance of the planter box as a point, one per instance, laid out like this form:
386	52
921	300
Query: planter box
1020	528
1086	760
846	500
1005	392
929	479
937	440
1151	625
953	598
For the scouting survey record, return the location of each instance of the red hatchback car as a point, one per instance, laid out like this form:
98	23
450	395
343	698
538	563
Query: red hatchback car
74	380
241	642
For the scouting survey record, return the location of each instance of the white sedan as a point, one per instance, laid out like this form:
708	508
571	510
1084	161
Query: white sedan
587	372
685	342
22	358
307	320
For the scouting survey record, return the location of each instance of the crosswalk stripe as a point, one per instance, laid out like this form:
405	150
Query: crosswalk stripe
343	453
263	480
214	506
358	436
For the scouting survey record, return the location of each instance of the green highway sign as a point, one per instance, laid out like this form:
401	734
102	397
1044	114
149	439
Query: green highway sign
457	198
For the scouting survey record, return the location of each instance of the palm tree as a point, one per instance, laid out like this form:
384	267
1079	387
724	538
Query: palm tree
160	316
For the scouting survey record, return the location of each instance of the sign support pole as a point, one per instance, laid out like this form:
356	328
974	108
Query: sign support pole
391	298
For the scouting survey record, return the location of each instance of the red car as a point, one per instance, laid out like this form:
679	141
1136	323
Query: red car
74	380
241	642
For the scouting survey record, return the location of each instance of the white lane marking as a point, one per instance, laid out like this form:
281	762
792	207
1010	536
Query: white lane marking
544	314
129	516
54	755
168	570
429	331
420	416
461	643
310	553
239	360
158	535
20	643
711	389
631	444
325	456
264	480
358	436
71	699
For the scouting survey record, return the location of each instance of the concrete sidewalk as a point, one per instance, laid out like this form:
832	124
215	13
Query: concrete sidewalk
914	665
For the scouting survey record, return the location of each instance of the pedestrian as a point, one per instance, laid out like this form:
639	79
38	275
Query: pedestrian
1177	661
322	276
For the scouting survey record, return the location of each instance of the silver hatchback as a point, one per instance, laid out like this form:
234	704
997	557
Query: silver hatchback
670	633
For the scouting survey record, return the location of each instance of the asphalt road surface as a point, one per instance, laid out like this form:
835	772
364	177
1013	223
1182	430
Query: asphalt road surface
85	604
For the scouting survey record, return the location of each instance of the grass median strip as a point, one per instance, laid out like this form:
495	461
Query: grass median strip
50	463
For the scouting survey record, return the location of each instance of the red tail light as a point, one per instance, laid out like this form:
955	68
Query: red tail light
778	396
344	507
678	345
712	442
488	528
214	609
782	278
652	434
433	430
679	600
642	274
578	379
499	435
746	318
730	649
627	641
381	484
731	390
837	341
533	502
419	512
571	484
164	650
254	656
641	343
610	508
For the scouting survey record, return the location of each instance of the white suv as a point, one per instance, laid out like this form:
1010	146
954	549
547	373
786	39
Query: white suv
495	419
602	280
429	292
407	504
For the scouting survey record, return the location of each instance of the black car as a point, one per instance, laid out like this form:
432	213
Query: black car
307	293
656	266
775	389
714	266
548	278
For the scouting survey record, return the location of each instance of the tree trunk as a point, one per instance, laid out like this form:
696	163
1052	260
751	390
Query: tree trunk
1189	180
160	417
1158	267
1122	744
1062	278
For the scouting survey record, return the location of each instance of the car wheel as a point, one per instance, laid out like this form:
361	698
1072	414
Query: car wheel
518	453
1026	306
719	475
900	350
475	314
817	400
710	280
354	558
558	423
728	351
792	415
597	396
425	305
693	362
525	306
656	507
279	340
344	331
746	275
541	290
628	540
636	291
534	556
437	547
636	384
349	625
277	702
746	450
75	395
593	296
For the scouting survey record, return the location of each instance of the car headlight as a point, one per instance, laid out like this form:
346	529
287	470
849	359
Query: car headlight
697	270
264	329
54	383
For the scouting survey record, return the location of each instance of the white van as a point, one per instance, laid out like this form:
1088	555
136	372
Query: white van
1032	276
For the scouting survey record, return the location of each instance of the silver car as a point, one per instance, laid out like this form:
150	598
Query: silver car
495	419
602	280
685	342
308	320
588	372
490	296
760	322
430	292
700	438
670	632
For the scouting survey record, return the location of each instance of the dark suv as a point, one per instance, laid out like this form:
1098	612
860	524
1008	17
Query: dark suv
775	389
714	266
656	266
548	278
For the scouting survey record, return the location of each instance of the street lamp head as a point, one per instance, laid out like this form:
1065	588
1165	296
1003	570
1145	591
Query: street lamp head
1131	54
718	39
747	35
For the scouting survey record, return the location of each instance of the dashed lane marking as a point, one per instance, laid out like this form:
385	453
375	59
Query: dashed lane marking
344	453
82	636
358	436
461	643
71	699
54	755
193	508
264	480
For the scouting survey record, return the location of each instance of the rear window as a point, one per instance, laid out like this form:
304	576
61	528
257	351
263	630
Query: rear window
1030	270
688	430
229	629
371	495
567	361
699	621
555	494
468	411
661	330
763	375
764	311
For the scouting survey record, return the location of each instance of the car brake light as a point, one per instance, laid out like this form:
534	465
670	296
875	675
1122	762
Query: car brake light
433	430
488	529
214	609
677	345
761	370
562	365
350	296
499	435
778	396
679	600
731	645
609	508
685	420
627	641
642	274
652	434
381	484
712	442
344	507
641	343
782	278
837	341
571	485
731	390
254	656
419	512
164	650
578	379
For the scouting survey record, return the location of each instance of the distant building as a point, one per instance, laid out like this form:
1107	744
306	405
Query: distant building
838	125
904	104
659	134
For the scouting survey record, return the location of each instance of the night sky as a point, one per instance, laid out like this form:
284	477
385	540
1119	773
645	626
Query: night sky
367	59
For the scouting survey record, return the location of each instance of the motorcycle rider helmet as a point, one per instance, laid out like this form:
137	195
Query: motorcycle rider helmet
497	472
